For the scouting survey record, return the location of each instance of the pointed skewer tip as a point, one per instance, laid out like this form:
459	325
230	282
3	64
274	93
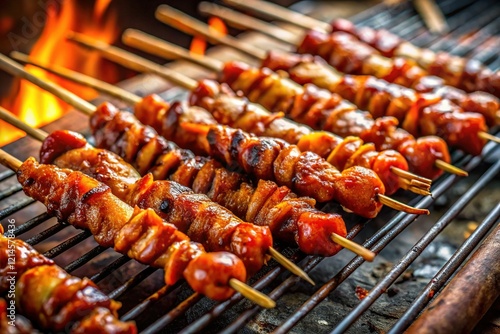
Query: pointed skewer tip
449	168
396	205
410	176
292	267
488	136
358	249
250	293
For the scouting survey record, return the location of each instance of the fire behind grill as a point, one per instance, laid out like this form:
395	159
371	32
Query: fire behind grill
473	27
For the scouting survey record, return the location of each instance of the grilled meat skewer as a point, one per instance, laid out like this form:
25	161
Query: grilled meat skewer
51	297
458	129
357	189
329	184
287	215
418	113
86	203
239	113
467	74
340	48
221	230
21	324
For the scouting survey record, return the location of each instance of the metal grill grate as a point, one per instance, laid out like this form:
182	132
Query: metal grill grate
172	309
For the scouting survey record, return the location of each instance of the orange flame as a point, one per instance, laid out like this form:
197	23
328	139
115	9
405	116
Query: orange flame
100	7
199	44
33	105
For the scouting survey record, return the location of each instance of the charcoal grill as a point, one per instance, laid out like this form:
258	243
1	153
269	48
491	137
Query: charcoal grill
332	305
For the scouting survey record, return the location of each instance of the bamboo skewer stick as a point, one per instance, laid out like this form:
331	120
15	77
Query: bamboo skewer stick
190	25
489	137
270	30
126	61
432	16
8	117
280	13
247	22
179	17
420	189
134	62
449	168
9	161
79	78
242	22
17	70
13	120
162	48
410	176
390	202
341	242
97	84
75	102
251	294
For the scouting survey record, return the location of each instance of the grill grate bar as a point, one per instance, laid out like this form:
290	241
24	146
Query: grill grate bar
6	174
275	294
10	191
489	56
445	43
418	29
222	307
215	312
414	30
386	18
47	233
398	16
405	262
447	271
496	64
142	306
84	258
132	282
110	268
408	28
172	315
451	7
64	246
16	207
459	28
474	42
32	223
371	13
